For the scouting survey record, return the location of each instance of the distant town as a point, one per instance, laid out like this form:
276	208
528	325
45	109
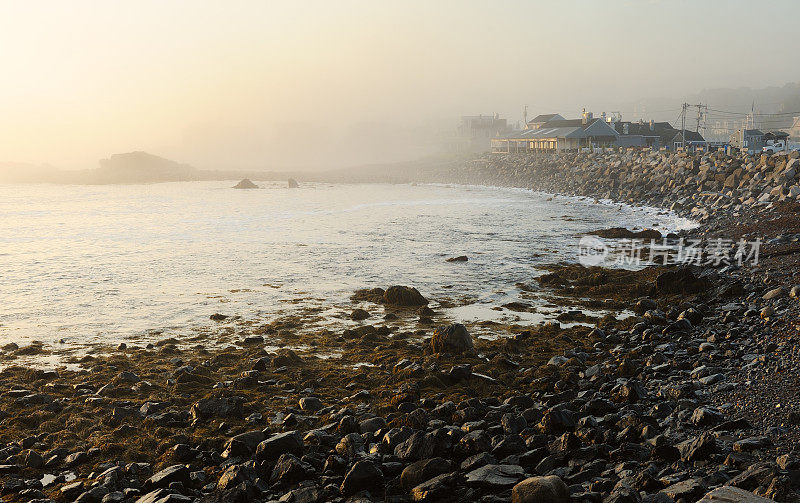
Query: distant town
554	132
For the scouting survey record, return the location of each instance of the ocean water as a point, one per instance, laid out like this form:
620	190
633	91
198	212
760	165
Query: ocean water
83	265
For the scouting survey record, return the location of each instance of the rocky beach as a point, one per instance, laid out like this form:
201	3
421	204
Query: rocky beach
693	396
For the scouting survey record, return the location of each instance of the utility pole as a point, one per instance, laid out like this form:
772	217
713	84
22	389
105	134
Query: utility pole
683	125
702	111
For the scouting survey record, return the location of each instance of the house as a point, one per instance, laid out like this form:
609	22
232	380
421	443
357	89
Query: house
540	120
693	139
475	133
751	140
794	130
558	134
644	134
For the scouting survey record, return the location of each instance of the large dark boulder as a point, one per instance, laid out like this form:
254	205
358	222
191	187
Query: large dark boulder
364	475
540	490
271	448
404	296
162	479
453	339
417	473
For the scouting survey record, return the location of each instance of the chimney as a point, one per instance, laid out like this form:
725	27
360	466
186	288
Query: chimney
652	125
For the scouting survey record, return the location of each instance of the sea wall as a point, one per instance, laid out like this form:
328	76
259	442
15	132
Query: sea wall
696	184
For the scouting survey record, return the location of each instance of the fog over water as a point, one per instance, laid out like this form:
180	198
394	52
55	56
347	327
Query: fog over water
319	84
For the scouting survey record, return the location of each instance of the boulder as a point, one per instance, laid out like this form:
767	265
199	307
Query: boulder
495	477
540	490
162	479
426	469
404	296
452	339
728	494
293	183
271	448
364	475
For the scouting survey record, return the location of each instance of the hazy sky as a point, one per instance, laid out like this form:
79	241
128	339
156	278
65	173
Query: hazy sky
271	85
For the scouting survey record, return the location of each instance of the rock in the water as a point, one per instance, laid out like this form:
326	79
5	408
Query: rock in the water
404	296
541	490
245	184
293	183
358	315
460	258
452	339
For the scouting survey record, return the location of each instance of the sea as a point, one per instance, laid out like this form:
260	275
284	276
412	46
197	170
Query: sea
88	266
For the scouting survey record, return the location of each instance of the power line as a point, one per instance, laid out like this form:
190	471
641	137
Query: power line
750	113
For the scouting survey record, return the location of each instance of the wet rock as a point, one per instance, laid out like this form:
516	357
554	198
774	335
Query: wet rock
221	407
682	281
622	233
286	358
404	296
364	475
460	258
218	317
359	314
293	183
453	339
549	489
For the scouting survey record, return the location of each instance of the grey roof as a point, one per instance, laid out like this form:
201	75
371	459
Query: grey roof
563	129
543	118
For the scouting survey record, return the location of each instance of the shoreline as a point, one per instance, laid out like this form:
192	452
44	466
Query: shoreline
654	408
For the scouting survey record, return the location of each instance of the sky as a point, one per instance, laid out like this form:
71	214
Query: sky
316	84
